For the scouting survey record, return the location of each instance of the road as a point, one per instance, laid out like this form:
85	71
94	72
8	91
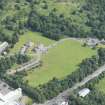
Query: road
67	92
65	39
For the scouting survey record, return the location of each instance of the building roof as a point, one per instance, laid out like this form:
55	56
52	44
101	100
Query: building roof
64	103
84	92
23	50
11	97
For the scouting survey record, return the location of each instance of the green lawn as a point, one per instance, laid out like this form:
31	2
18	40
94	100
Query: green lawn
59	62
31	36
101	85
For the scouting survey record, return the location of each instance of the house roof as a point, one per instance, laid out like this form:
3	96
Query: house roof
84	92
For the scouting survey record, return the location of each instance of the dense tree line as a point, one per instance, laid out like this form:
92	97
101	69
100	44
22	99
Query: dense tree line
11	26
55	86
96	15
8	61
55	24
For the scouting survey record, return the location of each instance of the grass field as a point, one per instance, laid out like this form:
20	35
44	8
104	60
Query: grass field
101	85
59	62
66	7
31	36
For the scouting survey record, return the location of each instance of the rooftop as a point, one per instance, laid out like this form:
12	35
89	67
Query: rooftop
11	98
84	92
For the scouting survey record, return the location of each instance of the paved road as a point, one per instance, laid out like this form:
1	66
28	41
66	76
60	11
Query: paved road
66	93
62	40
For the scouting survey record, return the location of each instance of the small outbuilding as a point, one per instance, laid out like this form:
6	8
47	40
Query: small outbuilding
91	42
12	98
23	50
3	47
64	103
84	92
40	48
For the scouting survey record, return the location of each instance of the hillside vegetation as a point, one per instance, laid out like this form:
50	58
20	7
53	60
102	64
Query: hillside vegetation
82	18
53	18
13	17
66	64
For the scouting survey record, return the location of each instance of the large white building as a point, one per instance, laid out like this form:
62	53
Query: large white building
11	98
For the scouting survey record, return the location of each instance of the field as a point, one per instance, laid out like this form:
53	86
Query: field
65	7
31	36
101	85
59	62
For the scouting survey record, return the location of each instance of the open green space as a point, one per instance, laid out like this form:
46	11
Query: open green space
66	7
31	36
59	62
101	85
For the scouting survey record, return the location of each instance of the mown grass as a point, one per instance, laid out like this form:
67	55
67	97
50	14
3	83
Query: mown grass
31	36
59	62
